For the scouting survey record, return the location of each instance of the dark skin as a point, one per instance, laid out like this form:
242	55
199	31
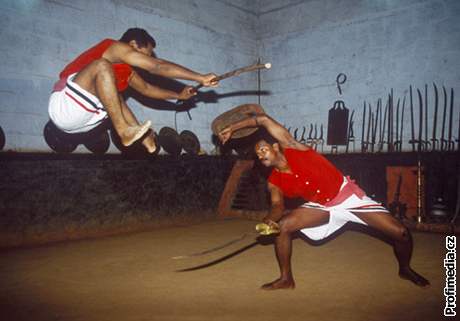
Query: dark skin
98	78
290	222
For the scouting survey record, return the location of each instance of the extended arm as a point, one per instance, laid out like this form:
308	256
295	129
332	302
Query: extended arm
278	132
148	90
121	52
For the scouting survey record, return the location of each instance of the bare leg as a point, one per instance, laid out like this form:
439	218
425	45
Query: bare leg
98	78
296	220
149	140
402	243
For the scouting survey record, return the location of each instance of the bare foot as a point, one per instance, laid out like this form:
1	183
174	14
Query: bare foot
133	133
149	142
411	275
279	284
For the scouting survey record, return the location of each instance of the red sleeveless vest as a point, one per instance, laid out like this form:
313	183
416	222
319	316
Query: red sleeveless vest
313	177
122	71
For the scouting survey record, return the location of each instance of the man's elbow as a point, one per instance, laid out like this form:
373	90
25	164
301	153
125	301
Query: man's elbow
157	66
263	119
278	206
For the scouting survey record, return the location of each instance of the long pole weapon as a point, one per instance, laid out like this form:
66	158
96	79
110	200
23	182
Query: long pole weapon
233	73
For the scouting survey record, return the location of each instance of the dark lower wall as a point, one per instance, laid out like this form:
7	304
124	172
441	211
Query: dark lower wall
45	198
440	172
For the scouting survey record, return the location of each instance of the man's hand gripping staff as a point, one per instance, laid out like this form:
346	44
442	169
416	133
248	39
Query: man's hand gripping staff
212	80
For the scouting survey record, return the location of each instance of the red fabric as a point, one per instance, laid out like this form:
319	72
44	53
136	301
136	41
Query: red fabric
350	188
122	74
313	177
122	71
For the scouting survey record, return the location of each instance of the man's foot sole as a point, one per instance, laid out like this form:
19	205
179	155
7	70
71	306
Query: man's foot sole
141	130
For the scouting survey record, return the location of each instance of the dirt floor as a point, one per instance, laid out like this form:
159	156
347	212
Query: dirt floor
132	277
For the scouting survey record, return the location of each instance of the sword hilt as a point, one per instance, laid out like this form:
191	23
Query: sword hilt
265	229
434	144
444	144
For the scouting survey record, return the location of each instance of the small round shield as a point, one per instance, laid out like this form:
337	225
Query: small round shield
2	138
189	142
58	140
170	141
98	143
234	115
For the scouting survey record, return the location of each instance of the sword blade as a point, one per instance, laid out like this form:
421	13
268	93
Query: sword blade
444	113
420	118
412	121
451	111
382	137
426	117
350	123
375	125
369	122
374	130
214	249
435	117
390	122
397	121
364	129
401	137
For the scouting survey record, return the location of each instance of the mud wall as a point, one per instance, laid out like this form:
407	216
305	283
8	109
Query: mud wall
47	198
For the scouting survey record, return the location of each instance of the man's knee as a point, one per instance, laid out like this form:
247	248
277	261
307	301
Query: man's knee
284	226
102	65
402	233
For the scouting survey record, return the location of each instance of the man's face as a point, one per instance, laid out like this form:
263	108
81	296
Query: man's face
266	153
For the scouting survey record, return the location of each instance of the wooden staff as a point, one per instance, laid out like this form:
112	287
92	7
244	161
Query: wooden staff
237	72
232	73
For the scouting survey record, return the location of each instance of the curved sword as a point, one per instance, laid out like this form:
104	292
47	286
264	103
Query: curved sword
444	113
450	142
434	140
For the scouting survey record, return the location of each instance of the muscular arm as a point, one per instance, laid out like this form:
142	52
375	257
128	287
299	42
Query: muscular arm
278	132
277	204
161	67
148	90
121	52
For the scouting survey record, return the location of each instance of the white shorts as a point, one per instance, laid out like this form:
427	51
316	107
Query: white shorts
341	213
75	110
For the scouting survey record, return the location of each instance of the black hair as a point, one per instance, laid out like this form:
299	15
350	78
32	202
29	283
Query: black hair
141	37
263	134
